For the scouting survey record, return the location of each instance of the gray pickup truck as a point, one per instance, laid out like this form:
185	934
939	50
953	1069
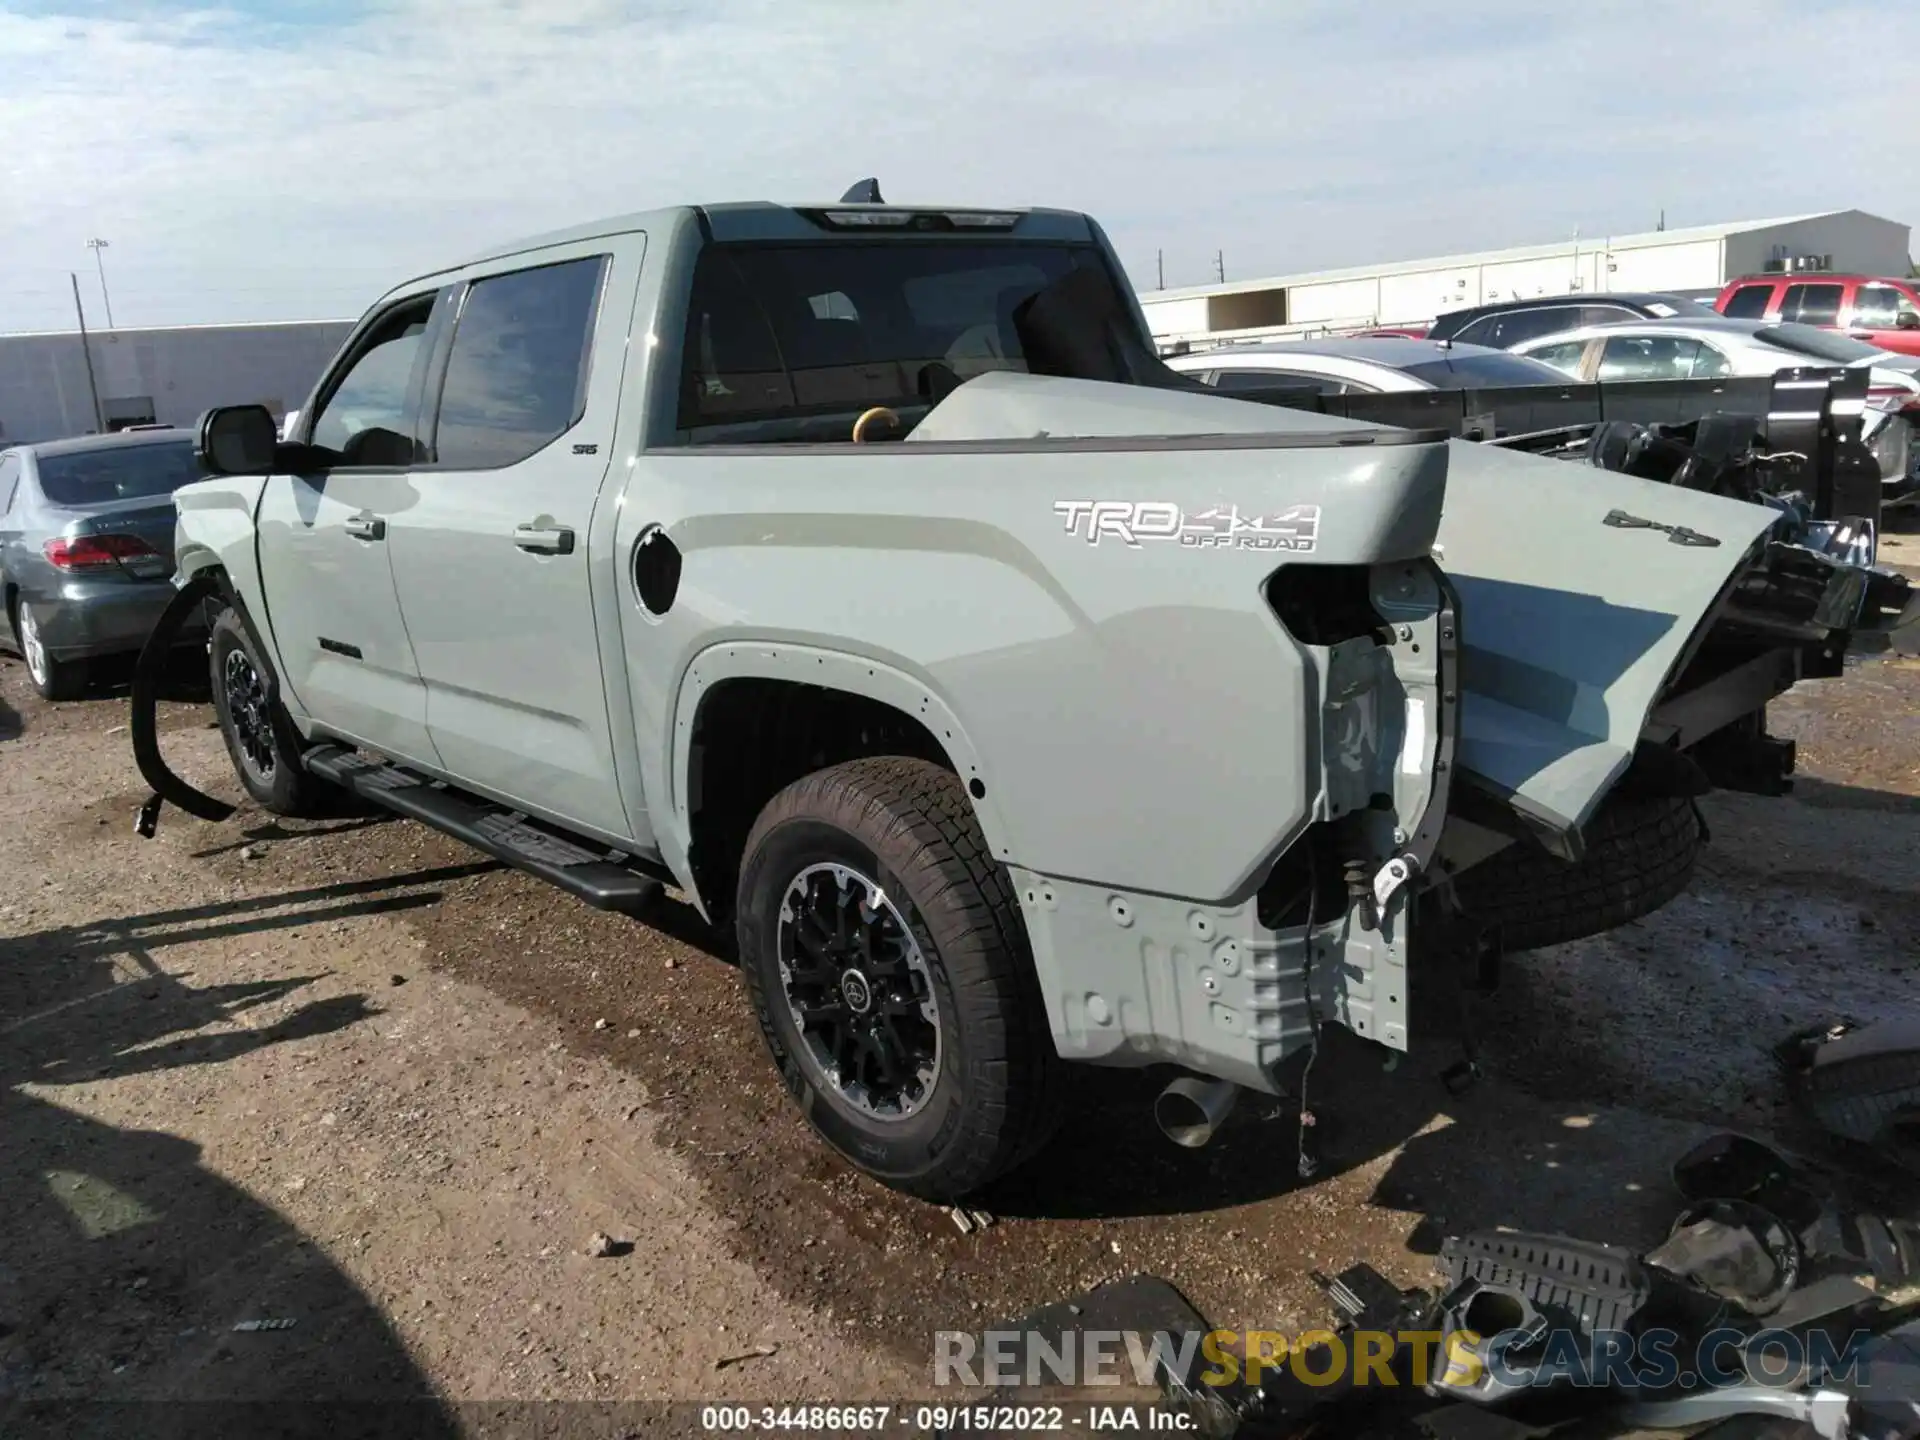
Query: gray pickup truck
1004	696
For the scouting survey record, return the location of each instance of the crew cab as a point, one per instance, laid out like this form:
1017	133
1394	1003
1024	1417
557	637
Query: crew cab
1883	312
1007	698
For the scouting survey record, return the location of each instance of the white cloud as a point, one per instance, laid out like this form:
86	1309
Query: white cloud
243	170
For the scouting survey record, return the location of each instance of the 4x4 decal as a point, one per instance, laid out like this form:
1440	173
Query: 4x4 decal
1295	529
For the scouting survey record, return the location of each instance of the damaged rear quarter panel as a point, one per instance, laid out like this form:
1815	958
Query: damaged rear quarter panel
1142	719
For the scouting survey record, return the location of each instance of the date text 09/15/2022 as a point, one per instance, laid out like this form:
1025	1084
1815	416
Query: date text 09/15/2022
938	1420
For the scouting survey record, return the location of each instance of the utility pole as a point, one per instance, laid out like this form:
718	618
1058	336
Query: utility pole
97	246
93	386
1220	265
1663	219
1160	267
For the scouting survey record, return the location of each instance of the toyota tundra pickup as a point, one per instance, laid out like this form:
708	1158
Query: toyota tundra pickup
1005	697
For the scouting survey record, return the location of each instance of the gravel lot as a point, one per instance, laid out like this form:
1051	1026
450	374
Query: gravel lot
352	1075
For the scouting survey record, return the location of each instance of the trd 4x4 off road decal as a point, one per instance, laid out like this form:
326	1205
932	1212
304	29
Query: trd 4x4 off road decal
1295	529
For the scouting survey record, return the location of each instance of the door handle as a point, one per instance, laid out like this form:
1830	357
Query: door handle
367	527
544	539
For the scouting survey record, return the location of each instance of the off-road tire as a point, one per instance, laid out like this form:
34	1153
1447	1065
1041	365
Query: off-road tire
282	787
54	680
908	824
1640	854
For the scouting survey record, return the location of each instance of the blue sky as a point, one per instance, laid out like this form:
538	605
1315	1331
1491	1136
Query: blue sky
291	160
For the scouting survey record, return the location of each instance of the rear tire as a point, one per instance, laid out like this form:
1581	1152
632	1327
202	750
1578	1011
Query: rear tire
1641	852
54	679
869	903
261	741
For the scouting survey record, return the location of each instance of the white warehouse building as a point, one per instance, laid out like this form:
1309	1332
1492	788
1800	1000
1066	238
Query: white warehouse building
52	381
1413	292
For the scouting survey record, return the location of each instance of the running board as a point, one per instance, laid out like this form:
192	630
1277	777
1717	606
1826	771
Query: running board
603	877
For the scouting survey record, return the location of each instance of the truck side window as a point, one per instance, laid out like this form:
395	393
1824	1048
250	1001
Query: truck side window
1749	302
517	373
1880	307
1812	304
364	419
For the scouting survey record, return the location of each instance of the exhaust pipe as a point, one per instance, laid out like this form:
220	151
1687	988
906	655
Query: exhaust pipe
1190	1109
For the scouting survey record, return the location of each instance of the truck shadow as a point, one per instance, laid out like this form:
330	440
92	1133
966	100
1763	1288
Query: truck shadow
125	1264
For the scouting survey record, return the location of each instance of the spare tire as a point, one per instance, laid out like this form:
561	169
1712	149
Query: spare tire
1640	853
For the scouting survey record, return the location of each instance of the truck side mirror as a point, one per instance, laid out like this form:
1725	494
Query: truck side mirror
1907	320
237	440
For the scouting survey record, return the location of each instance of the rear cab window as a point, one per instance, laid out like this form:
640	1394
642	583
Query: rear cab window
76	479
794	341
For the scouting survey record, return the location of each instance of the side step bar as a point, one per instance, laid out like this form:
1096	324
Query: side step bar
604	878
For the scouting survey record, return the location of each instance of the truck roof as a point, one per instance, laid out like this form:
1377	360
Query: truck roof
765	220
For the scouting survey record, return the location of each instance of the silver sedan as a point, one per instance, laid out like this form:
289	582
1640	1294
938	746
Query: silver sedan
86	547
1362	365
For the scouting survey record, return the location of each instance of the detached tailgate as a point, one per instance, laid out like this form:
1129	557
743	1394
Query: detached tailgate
1572	625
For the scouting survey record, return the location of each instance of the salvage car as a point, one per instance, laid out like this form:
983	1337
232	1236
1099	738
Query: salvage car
1503	324
1361	365
86	547
1006	697
1717	346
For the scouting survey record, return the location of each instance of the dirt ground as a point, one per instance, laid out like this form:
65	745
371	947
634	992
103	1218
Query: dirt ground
353	1076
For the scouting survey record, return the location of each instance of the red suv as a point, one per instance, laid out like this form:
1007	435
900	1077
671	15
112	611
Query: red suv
1881	312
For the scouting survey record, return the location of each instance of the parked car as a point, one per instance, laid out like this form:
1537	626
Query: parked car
1503	324
1875	310
86	546
1362	365
1009	697
1705	349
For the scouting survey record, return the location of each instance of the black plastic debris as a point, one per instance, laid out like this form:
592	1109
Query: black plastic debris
1735	1250
1280	1405
1833	1230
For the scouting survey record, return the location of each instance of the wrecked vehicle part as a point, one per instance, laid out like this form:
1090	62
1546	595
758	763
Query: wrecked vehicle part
1511	1293
1827	1414
1735	1250
142	722
1828	1226
1277	1403
1862	1082
1886	1395
1570	629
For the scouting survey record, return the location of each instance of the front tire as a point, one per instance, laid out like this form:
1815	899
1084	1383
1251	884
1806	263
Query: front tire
891	975
53	678
261	741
